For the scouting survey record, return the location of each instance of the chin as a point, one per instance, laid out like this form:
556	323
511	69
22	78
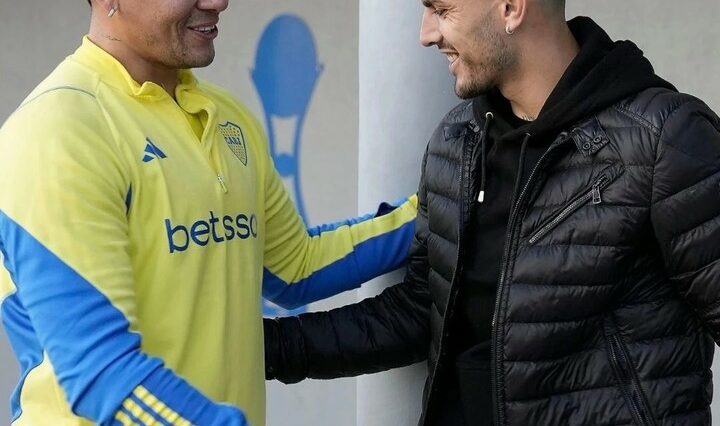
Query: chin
200	62
465	92
205	63
196	57
470	89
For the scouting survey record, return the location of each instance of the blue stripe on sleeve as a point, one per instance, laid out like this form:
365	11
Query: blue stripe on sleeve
190	404
383	209
348	273
132	417
24	343
95	356
151	412
317	230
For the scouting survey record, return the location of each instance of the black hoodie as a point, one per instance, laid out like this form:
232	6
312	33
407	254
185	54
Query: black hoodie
603	73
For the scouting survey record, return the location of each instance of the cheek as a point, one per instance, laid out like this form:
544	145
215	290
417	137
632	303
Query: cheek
460	42
146	30
166	36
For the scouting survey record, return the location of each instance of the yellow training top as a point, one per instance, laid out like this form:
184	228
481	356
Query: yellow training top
135	251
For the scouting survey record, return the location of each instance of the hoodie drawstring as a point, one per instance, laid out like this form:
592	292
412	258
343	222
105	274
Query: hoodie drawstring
483	156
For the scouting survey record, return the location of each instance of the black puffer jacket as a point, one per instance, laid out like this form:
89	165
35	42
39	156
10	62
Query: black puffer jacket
609	297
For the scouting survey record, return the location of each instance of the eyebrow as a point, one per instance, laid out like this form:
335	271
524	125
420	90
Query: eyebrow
428	3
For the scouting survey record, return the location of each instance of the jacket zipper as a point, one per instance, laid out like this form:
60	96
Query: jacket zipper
595	195
629	383
221	180
212	156
461	224
496	342
216	163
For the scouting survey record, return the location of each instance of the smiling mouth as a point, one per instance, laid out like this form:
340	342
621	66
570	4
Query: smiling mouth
205	29
452	57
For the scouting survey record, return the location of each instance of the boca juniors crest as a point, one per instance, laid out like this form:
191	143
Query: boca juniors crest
235	139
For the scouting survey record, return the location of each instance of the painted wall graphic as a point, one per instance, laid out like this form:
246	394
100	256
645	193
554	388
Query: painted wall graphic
285	76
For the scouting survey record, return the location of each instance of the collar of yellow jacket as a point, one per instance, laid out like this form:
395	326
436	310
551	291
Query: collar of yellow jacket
113	73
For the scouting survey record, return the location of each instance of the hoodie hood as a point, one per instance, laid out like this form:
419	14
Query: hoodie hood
603	73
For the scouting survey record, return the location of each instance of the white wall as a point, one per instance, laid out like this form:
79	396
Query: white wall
404	92
376	78
681	39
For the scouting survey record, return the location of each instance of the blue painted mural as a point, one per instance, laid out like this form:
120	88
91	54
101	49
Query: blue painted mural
285	76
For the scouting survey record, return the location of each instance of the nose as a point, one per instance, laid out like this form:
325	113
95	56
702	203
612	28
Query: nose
214	5
429	31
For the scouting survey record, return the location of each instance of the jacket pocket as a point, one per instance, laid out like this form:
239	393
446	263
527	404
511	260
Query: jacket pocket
593	195
627	378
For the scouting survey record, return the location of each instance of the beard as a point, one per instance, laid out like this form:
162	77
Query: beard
182	57
472	88
492	60
176	54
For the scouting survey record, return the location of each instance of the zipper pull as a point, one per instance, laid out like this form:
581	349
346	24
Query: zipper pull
222	183
597	198
481	197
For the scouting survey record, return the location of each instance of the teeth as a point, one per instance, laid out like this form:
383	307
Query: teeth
451	57
205	29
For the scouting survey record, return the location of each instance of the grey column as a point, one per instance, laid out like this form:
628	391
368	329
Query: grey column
405	90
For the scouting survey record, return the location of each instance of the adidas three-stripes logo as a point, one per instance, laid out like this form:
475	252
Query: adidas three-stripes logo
152	152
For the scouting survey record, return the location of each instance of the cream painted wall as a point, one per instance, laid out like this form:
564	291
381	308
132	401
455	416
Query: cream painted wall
35	35
378	79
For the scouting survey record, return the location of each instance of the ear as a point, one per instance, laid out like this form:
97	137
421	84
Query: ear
514	14
106	6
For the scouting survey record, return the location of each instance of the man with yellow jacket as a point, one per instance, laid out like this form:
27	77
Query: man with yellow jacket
140	215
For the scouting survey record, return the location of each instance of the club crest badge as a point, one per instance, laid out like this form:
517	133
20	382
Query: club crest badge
235	139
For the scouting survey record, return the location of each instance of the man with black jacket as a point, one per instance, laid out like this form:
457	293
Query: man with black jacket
602	304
